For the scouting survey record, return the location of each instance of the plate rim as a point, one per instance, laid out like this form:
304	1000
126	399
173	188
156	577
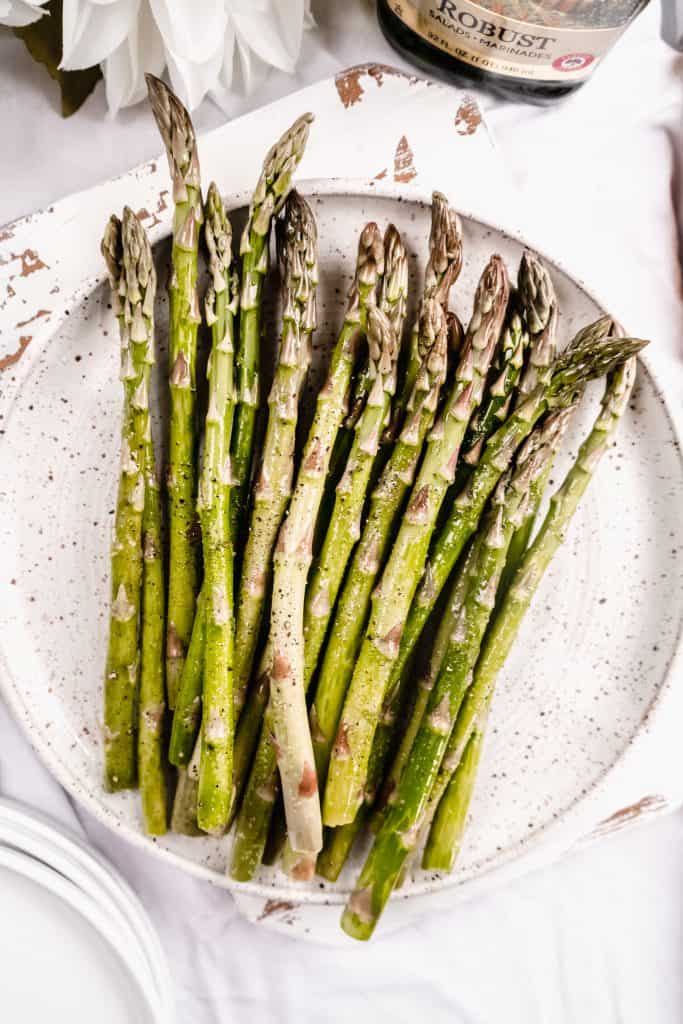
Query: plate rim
433	882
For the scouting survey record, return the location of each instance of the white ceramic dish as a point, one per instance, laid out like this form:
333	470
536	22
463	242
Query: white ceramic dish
28	832
71	913
581	687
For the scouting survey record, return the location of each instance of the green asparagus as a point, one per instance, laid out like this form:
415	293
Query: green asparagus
444	263
344	527
217	728
132	279
269	197
297	252
152	704
177	133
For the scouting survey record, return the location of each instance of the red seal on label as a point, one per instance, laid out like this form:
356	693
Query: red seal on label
573	61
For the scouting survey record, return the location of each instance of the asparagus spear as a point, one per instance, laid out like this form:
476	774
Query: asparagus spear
589	355
393	286
539	307
287	720
444	263
393	291
131	274
297	252
177	133
345	525
269	197
217	731
220	311
152	704
391	601
455	783
476	593
151	768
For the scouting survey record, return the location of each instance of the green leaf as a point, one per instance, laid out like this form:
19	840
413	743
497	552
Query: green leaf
43	40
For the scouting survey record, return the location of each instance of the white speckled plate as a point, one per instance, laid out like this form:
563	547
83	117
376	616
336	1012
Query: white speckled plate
592	657
586	717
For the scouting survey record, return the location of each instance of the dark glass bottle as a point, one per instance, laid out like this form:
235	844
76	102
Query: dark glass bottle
524	49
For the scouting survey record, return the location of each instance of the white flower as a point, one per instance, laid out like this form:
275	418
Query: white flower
260	34
18	13
200	42
124	70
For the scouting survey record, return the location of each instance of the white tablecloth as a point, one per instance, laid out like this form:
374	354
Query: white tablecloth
596	938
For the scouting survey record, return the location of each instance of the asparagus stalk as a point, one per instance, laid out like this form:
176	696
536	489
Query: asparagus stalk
151	770
131	274
444	263
344	528
392	302
590	355
269	197
286	727
539	308
220	311
177	133
455	784
297	252
398	834
393	286
391	601
217	730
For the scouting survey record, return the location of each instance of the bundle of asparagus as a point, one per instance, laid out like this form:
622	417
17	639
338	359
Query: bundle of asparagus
304	589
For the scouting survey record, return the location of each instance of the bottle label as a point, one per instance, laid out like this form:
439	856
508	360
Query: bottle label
506	46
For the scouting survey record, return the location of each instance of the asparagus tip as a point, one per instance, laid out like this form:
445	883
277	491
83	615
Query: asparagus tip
177	133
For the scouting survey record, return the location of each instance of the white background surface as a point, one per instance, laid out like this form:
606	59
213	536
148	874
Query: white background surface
598	937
